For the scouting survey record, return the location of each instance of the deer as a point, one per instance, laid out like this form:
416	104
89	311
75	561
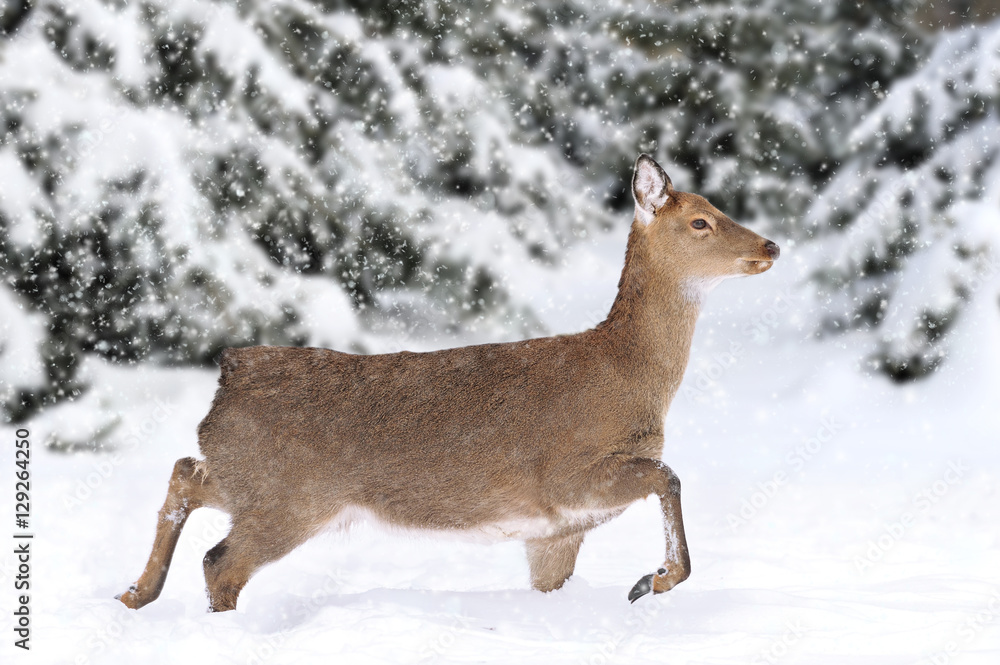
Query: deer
539	440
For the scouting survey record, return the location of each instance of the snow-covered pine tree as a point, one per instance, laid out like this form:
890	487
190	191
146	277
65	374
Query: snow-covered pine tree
747	102
181	176
187	175
912	222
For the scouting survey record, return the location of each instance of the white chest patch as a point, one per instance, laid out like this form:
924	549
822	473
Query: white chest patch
696	290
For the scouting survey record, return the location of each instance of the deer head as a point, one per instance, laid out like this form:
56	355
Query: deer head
691	241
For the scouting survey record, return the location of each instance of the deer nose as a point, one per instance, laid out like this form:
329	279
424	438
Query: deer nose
772	250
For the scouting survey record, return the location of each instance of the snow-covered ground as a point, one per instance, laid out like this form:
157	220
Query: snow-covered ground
832	517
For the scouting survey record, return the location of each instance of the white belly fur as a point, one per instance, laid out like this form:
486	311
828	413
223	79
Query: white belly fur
526	528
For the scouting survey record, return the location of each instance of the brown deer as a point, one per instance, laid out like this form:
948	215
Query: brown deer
539	440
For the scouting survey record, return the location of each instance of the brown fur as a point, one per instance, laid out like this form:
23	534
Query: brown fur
563	432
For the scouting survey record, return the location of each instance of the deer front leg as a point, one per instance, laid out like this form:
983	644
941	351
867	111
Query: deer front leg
620	480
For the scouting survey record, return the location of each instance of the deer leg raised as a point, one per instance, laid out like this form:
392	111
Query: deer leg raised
619	480
191	487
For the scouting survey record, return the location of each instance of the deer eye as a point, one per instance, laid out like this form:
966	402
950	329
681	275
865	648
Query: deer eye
699	224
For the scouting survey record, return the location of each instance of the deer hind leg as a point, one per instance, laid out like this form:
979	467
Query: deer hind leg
622	480
254	540
552	560
191	487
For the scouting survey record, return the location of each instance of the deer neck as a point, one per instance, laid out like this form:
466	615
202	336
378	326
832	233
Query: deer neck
652	320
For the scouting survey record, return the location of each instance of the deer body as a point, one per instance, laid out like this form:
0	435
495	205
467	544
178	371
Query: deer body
539	440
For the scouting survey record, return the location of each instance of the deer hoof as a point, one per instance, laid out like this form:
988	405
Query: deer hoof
129	598
659	582
641	588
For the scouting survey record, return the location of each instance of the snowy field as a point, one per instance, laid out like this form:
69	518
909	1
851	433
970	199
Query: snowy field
833	517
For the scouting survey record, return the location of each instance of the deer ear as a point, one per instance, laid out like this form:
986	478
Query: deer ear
651	187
